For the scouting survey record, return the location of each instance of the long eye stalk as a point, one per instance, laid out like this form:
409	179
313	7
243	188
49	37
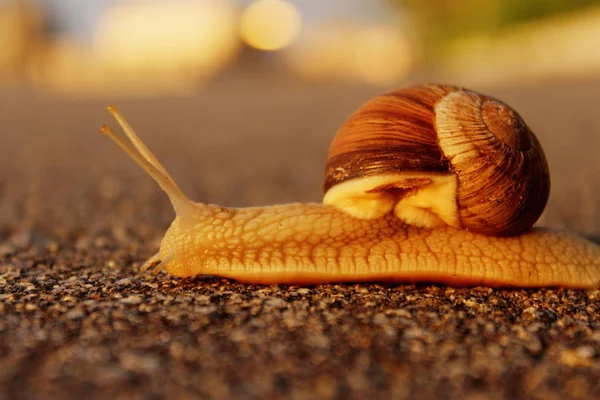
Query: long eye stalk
145	159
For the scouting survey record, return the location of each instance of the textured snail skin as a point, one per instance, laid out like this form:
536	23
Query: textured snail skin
317	243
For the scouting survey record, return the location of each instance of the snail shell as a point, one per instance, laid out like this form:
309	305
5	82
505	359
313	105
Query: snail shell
435	155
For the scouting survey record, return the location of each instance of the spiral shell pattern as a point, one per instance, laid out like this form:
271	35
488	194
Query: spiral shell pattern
502	173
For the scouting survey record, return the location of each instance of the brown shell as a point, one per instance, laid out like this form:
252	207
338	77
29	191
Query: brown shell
503	179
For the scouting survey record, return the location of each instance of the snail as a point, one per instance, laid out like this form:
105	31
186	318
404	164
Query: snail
430	183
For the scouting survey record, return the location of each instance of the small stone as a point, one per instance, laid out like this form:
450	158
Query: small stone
22	240
69	299
276	302
135	299
124	281
579	356
530	311
7	249
470	303
53	247
139	363
380	319
75	314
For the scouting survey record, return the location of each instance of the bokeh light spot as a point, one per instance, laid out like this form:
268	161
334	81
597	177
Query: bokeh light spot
270	24
382	55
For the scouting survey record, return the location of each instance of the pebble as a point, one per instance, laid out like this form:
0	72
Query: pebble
132	300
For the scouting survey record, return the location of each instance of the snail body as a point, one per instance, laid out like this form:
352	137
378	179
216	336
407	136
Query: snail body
412	214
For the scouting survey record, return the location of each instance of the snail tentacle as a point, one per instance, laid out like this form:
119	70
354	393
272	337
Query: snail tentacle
149	163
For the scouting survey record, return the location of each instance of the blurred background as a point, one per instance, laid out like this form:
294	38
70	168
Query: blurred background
240	98
152	47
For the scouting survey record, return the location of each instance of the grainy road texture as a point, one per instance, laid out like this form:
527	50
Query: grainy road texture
77	218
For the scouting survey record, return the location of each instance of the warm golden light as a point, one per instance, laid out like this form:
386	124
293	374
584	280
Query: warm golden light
144	48
20	31
270	24
556	47
382	55
68	67
175	35
377	54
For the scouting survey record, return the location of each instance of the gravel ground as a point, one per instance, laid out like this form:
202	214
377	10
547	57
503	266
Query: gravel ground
77	219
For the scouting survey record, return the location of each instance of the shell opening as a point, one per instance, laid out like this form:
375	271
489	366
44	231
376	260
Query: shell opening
421	199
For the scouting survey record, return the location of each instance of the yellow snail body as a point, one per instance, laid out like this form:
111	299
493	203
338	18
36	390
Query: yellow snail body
428	183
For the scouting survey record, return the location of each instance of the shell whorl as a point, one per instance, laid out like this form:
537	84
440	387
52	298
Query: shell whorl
395	131
502	175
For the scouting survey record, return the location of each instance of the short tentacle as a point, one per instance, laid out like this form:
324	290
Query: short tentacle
149	262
